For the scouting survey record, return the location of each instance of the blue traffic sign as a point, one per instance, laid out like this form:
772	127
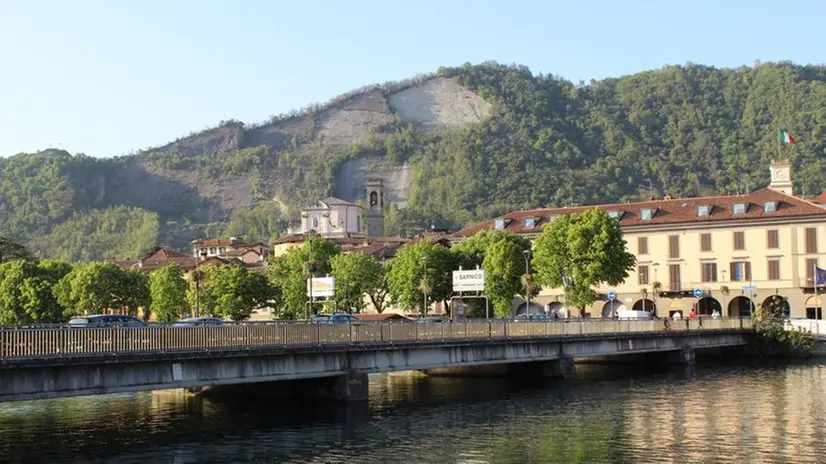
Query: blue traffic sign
698	293
749	288
612	295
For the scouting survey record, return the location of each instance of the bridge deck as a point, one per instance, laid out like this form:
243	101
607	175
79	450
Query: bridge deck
62	343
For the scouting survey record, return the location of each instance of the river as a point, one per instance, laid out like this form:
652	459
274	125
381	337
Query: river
618	413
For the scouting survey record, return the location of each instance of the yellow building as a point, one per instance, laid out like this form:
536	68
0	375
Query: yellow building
734	251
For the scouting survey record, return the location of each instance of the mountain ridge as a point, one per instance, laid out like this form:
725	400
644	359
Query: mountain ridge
459	145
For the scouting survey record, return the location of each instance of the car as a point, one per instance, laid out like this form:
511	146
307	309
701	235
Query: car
200	322
343	319
320	319
431	320
532	317
105	320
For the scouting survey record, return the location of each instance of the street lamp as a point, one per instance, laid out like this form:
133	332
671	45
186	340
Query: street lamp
424	287
310	269
654	290
528	282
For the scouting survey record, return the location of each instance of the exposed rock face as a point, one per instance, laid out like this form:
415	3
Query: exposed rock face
440	104
352	175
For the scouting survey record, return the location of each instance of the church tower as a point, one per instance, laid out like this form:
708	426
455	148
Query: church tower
375	207
781	176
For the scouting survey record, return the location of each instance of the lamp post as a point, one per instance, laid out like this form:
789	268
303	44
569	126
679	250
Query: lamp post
424	287
310	269
654	290
528	282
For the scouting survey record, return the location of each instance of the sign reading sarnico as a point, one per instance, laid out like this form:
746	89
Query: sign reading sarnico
469	281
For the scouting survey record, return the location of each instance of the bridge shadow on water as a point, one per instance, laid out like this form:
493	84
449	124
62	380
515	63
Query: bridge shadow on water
179	427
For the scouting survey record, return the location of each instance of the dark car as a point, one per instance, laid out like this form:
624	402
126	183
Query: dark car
200	322
344	319
105	320
320	319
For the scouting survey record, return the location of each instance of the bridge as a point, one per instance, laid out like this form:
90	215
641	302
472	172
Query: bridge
323	359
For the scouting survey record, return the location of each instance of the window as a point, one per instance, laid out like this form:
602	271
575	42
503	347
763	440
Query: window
703	210
705	242
774	269
642	245
810	271
499	224
646	214
530	223
811	240
616	214
740	271
222	250
769	206
673	246
642	273
674	277
212	250
772	239
708	272
739	241
315	223
739	208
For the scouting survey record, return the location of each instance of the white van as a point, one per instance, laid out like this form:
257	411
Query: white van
629	314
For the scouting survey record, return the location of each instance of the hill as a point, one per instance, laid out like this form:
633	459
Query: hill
464	143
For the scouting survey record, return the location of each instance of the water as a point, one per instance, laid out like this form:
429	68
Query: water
717	413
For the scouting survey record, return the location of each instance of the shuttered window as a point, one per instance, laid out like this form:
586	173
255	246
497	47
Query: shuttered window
772	239
674	277
739	241
774	269
673	246
811	240
705	242
642	245
642	272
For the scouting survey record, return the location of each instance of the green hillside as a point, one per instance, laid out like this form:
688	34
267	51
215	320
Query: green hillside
541	140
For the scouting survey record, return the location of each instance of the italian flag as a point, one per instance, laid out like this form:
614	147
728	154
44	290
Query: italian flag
785	137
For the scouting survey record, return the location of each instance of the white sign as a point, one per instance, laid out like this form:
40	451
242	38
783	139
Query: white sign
469	281
322	286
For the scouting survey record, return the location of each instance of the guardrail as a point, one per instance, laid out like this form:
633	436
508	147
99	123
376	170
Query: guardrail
59	342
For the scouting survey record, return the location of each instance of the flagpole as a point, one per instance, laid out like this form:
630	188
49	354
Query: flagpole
818	305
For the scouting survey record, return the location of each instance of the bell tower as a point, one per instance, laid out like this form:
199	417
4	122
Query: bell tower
781	176
375	207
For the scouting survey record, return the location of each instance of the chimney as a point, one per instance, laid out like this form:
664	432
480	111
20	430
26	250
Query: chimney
781	176
667	197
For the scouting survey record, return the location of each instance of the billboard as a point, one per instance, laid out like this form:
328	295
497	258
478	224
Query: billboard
469	281
322	286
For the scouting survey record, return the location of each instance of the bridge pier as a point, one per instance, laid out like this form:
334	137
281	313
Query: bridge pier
558	368
685	356
352	386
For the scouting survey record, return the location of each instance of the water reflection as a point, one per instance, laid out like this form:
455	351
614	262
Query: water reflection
608	413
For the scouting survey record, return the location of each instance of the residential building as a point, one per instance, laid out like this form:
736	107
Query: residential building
735	251
228	248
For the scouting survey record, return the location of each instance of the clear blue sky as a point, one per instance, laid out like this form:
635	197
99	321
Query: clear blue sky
106	77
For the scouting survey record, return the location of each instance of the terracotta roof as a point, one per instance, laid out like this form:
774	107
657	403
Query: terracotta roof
349	239
218	242
663	212
186	263
820	199
163	253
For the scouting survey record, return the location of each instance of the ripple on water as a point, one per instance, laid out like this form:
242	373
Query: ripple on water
722	413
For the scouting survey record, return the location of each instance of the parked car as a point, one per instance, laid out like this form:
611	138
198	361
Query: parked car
343	319
531	317
200	322
105	320
431	320
320	319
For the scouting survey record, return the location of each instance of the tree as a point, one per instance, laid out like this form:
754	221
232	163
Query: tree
11	250
421	274
501	255
232	291
291	271
380	290
167	289
26	293
774	338
587	248
97	287
358	274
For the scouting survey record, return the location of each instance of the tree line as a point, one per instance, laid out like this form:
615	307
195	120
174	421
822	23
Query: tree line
587	248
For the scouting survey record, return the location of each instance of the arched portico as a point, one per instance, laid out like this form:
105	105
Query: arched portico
610	308
779	300
707	305
814	307
645	304
740	306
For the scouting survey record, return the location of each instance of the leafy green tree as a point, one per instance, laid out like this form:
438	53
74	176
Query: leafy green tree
501	255
588	248
291	271
774	337
262	223
358	274
167	289
232	291
97	287
26	293
421	270
11	250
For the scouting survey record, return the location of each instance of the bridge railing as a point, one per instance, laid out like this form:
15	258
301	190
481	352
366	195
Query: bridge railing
60	342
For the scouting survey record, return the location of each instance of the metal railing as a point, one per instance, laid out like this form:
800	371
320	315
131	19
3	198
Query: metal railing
60	342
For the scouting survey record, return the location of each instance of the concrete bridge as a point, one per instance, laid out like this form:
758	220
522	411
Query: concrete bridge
321	359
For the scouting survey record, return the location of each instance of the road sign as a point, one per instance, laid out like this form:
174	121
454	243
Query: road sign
322	286
612	295
698	293
469	281
750	288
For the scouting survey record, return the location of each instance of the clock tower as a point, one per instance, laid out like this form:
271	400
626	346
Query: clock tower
781	171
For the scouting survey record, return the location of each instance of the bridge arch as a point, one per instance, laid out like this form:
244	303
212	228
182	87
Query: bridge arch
740	306
610	308
707	305
645	304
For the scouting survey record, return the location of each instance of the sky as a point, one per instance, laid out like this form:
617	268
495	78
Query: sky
111	77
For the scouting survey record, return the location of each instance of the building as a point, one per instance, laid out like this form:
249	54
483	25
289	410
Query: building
734	251
375	207
229	248
331	217
380	247
159	258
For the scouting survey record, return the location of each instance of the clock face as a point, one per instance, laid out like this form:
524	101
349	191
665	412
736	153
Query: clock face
781	174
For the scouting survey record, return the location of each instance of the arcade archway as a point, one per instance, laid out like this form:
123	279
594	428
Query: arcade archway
814	307
611	307
645	304
740	306
707	305
535	308
778	300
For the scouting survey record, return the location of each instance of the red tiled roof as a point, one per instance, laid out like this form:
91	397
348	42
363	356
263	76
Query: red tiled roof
350	239
671	211
218	242
820	199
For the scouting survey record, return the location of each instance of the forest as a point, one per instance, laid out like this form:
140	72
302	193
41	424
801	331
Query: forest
683	130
